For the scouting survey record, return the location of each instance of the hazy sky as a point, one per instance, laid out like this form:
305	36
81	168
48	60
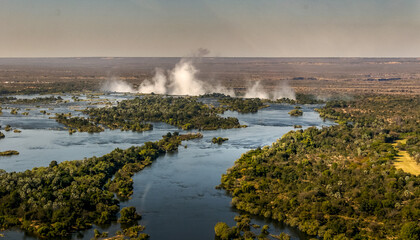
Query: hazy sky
265	28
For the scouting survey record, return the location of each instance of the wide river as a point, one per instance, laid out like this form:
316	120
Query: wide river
176	195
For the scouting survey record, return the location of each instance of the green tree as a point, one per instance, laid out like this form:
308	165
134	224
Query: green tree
222	230
128	215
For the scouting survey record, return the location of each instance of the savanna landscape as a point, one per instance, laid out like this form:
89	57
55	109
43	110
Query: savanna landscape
218	120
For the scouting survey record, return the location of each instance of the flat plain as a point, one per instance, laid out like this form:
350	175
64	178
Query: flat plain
319	76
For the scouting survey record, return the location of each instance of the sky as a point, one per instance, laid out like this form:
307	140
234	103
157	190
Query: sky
227	28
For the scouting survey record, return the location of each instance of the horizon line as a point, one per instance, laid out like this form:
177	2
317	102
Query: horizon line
113	57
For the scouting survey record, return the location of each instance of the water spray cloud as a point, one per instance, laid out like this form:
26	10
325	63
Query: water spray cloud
117	85
156	85
281	91
182	80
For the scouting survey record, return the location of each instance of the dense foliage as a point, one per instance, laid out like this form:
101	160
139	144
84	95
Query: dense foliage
184	112
301	98
242	105
398	115
132	232
80	123
245	230
53	201
15	100
337	182
129	215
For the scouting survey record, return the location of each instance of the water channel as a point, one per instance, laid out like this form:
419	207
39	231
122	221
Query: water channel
176	195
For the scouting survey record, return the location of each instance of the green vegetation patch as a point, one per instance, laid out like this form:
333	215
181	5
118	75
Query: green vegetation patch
184	112
337	182
129	215
45	100
242	105
80	123
9	153
53	201
296	113
219	140
244	230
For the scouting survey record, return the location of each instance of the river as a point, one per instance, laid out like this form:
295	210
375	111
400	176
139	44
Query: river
176	195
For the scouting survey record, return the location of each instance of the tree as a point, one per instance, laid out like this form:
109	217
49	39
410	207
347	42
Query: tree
128	215
222	230
53	163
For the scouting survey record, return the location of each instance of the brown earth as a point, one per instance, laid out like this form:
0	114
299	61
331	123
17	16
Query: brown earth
321	76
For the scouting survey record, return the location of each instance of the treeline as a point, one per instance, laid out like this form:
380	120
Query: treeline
53	201
252	105
242	105
183	112
47	88
301	98
122	184
244	230
337	182
15	100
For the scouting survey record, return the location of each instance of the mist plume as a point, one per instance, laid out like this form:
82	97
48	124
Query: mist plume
156	85
281	91
117	85
256	91
182	80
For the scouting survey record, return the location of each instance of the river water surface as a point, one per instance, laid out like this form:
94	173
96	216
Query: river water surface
176	195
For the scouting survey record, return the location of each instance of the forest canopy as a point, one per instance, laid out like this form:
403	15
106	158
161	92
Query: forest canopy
338	182
53	201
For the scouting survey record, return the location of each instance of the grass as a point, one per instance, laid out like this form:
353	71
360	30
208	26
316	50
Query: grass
404	161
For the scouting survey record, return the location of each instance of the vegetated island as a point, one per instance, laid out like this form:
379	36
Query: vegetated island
338	182
8	128
296	112
252	105
184	112
219	140
242	105
53	201
9	153
80	123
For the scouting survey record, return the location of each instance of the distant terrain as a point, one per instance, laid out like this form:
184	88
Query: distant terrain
320	76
